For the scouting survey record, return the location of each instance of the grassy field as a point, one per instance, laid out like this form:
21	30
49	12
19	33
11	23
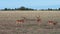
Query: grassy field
8	22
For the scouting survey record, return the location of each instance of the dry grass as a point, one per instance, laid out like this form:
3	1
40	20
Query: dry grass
8	22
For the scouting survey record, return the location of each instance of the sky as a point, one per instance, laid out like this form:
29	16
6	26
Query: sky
35	4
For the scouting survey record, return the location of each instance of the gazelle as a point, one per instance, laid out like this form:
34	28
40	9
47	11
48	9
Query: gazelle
38	19
20	21
52	22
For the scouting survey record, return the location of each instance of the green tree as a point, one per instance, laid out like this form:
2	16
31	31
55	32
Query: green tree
49	9
5	9
22	8
59	9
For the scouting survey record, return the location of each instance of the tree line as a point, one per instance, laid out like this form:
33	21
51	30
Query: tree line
21	8
24	8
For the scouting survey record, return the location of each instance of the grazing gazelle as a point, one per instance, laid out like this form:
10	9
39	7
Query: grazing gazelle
52	22
20	21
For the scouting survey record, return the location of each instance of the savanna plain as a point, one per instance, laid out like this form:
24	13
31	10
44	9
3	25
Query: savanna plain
8	24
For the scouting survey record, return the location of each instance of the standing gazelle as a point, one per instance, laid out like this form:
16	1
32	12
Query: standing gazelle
38	20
